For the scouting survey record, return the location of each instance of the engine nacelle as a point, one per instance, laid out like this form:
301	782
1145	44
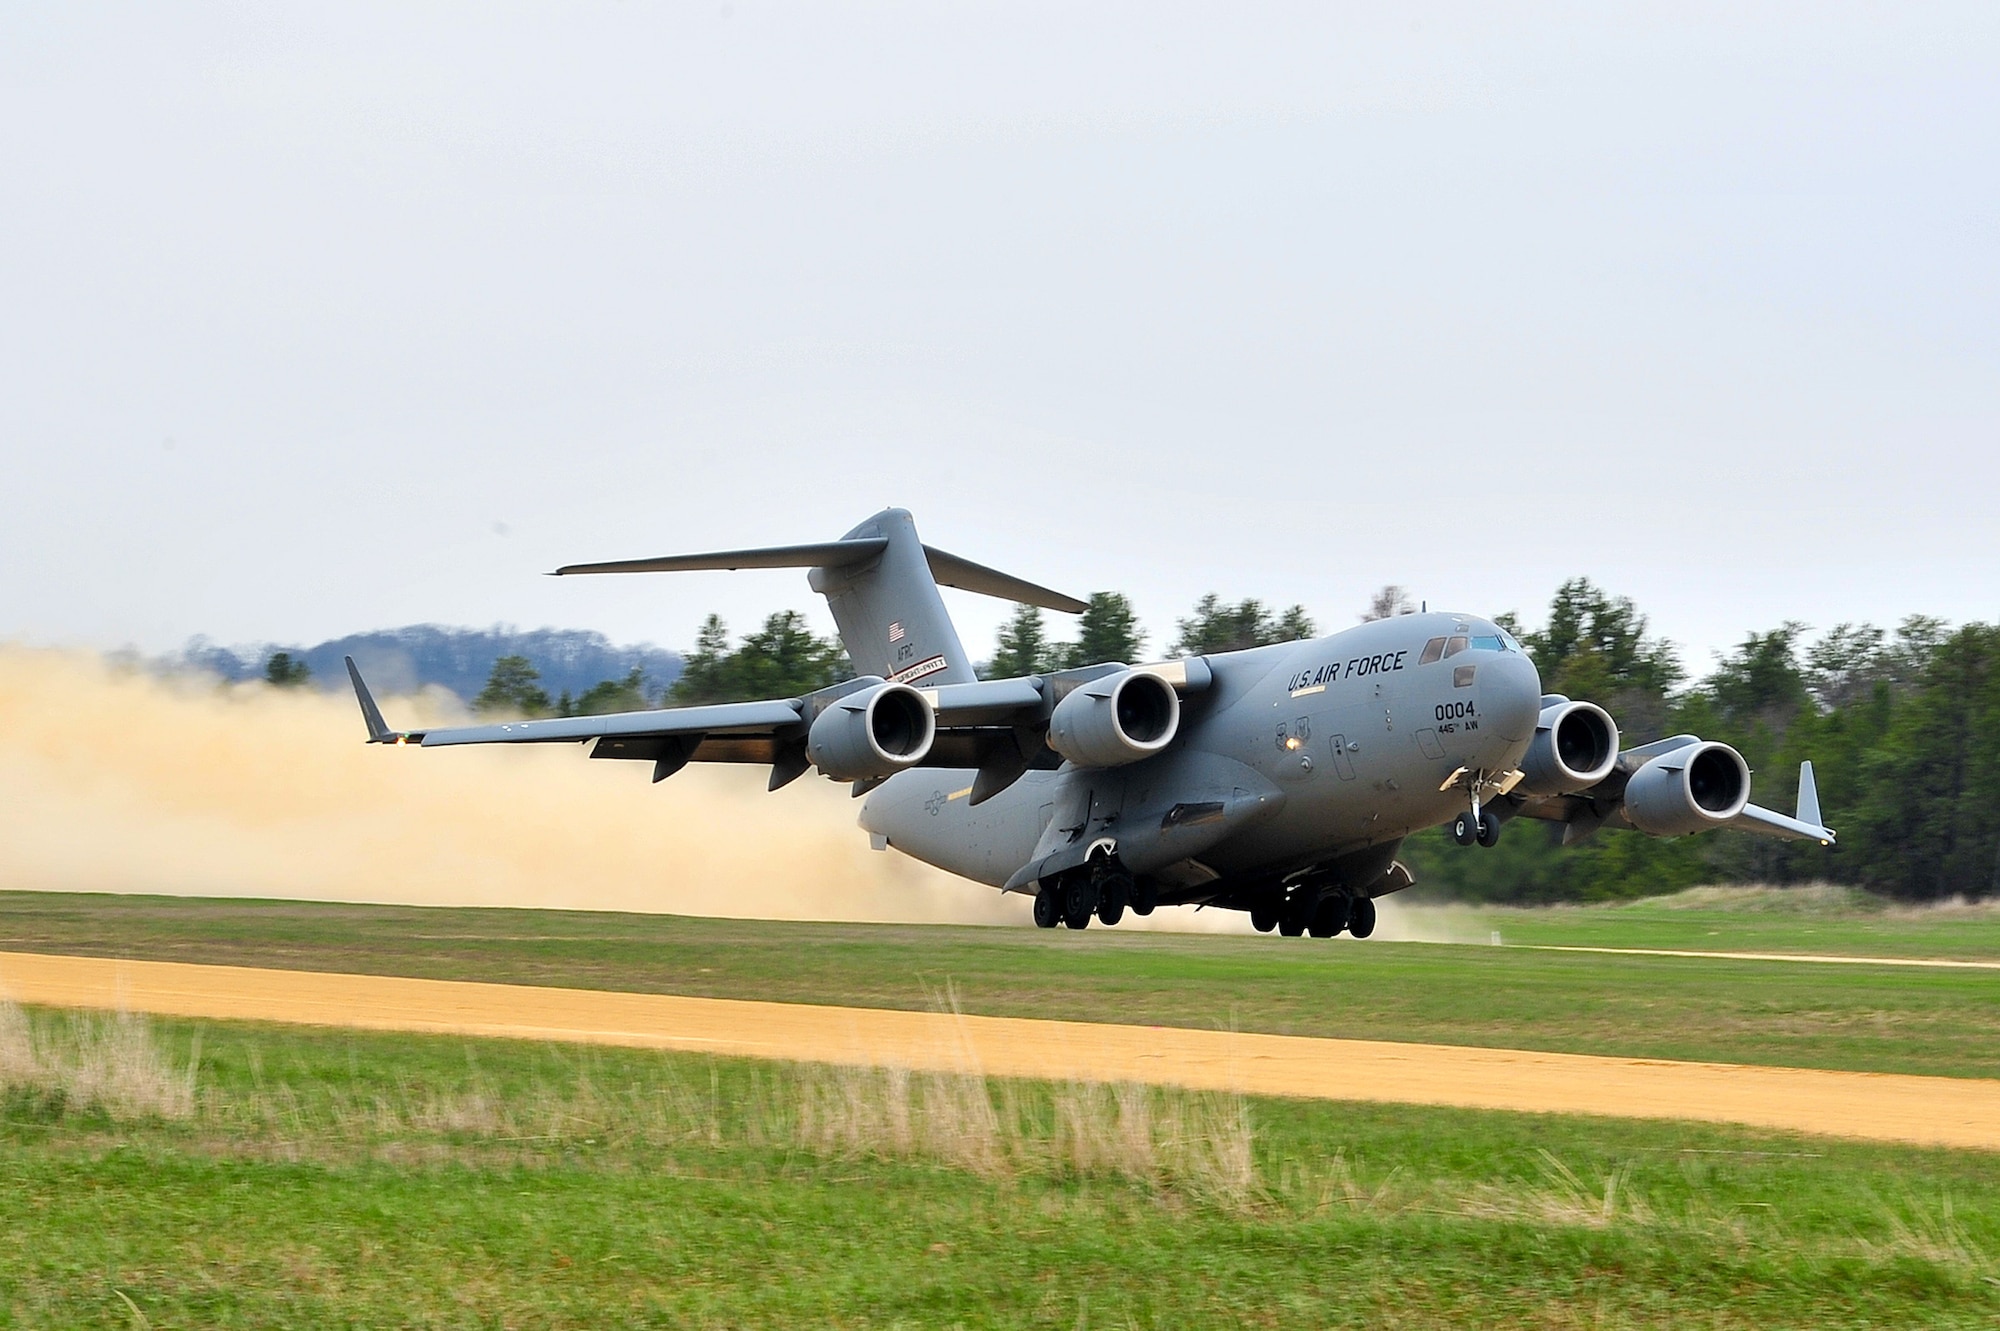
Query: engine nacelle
1116	720
1689	790
872	733
1575	747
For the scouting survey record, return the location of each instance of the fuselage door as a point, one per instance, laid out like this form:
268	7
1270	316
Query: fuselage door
1343	763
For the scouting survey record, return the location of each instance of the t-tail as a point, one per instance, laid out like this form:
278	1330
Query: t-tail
881	583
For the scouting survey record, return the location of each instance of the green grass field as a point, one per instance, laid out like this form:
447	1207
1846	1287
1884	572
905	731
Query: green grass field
1863	1018
173	1174
234	1175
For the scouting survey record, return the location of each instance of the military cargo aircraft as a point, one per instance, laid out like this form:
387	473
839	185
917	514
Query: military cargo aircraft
1280	780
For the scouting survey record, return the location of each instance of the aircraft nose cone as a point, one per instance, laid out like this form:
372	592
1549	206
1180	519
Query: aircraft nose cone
1512	695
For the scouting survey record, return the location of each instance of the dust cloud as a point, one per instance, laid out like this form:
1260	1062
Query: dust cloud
114	780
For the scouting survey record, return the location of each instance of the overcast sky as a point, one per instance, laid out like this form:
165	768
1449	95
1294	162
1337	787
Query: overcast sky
317	319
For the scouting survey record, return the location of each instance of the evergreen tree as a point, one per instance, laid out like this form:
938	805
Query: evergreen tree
1217	627
512	687
704	674
782	660
1107	631
612	695
286	671
1023	646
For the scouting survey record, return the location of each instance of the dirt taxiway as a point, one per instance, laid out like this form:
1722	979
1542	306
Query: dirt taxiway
1939	1111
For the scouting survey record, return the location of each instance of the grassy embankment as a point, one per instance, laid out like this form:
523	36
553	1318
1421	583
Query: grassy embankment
213	1174
1864	1018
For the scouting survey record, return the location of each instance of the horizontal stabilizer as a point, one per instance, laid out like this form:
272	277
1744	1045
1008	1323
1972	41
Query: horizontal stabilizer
824	554
952	571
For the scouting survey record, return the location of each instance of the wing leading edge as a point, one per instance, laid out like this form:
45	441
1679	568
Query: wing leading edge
993	726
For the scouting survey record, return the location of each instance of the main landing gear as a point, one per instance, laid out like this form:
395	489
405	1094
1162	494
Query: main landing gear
1103	888
1304	912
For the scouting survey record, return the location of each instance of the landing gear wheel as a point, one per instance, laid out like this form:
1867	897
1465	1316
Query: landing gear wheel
1361	917
1330	918
1464	830
1048	907
1114	890
1291	926
1079	901
1145	896
1489	829
1263	919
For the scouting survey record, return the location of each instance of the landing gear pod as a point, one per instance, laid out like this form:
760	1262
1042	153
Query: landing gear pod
1575	747
1116	720
1688	790
873	733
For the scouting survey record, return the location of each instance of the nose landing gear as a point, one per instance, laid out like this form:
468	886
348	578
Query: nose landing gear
1478	824
1475	826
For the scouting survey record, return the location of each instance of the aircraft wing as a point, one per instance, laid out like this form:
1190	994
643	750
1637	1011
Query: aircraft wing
1603	805
669	737
993	726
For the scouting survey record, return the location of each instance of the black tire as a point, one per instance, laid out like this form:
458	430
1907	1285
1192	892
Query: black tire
1489	830
1291	927
1330	918
1361	917
1048	907
1145	896
1463	830
1079	901
1263	919
1114	893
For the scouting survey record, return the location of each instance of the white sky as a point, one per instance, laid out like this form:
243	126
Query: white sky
316	319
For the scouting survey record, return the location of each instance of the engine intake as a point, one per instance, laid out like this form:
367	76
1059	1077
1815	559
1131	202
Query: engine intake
1116	720
1689	790
1575	747
872	733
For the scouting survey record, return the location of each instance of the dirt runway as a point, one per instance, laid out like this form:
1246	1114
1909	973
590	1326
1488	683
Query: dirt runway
1943	1111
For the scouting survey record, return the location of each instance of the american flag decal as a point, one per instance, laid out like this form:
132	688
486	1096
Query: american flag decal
896	632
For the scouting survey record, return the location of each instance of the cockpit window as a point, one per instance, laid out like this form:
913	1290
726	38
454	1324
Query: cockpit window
1454	646
1488	643
1433	650
1509	641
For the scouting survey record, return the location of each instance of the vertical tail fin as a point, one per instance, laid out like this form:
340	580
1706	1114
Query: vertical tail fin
892	620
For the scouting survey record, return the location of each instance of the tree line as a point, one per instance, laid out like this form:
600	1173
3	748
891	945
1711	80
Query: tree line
1902	725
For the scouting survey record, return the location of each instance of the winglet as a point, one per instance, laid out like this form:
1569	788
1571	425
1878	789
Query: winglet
378	729
1808	796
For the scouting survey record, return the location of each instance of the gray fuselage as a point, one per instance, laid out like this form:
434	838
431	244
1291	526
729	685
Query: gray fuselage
1298	755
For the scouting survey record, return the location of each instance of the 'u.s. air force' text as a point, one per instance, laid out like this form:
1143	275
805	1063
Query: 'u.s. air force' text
1356	668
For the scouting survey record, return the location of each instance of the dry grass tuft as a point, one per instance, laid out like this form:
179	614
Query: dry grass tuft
93	1061
1173	1141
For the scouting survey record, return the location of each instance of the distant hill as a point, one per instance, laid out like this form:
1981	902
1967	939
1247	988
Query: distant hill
406	659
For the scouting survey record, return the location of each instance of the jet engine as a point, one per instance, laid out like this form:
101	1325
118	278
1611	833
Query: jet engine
1575	747
872	733
1688	790
1115	720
